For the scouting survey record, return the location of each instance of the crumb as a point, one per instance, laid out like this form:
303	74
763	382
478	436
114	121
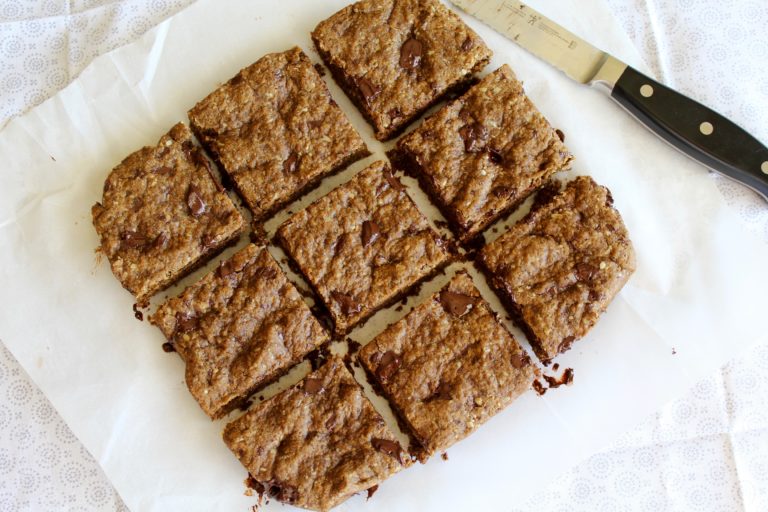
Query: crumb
556	366
444	455
372	490
674	351
539	388
138	314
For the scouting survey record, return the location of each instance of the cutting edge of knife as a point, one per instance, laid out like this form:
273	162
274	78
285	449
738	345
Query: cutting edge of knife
547	40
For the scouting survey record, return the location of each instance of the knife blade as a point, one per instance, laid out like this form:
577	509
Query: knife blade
692	128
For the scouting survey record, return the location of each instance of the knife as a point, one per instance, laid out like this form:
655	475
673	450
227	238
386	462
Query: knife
697	131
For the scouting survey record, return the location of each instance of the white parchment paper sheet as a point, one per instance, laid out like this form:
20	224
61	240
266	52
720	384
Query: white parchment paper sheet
69	323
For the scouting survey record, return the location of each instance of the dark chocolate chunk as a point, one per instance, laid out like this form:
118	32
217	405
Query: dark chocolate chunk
168	347
161	241
197	206
495	157
393	181
467	44
237	79
410	54
138	314
520	360
456	304
367	89
442	392
391	448
585	271
133	239
347	304
566	344
370	233
388	365
313	386
372	490
281	491
475	137
185	322
561	135
291	163
267	273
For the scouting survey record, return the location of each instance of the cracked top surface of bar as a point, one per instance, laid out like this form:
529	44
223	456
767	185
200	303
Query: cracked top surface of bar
162	214
276	131
558	269
448	366
483	153
239	328
363	245
395	58
317	443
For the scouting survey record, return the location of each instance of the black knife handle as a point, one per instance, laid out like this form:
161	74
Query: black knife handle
694	129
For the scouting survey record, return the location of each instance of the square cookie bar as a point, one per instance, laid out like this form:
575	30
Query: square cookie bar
316	444
238	329
448	366
363	246
482	154
162	214
560	266
276	131
396	58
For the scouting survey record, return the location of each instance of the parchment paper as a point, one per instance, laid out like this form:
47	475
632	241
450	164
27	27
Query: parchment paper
69	323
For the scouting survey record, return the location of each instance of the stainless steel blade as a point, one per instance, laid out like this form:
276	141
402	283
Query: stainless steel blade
546	39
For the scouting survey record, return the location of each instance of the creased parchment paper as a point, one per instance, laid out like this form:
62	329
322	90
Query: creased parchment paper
697	289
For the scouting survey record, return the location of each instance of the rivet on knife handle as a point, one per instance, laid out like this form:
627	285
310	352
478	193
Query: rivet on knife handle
694	129
691	127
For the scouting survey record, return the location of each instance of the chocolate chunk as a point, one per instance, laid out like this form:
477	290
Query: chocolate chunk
168	347
456	304
164	170
393	181
566	379
370	233
594	295
442	392
267	273
291	163
281	491
391	448
585	271
138	314
539	388
347	304
467	44
133	239
388	365
197	206
161	241
560	134
566	344
394	113
226	268
313	386
320	69
185	322
520	360
368	90
338	246
475	137
372	490
495	157
555	366
237	79
410	54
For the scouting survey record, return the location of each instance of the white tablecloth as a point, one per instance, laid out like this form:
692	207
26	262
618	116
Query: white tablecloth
707	450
